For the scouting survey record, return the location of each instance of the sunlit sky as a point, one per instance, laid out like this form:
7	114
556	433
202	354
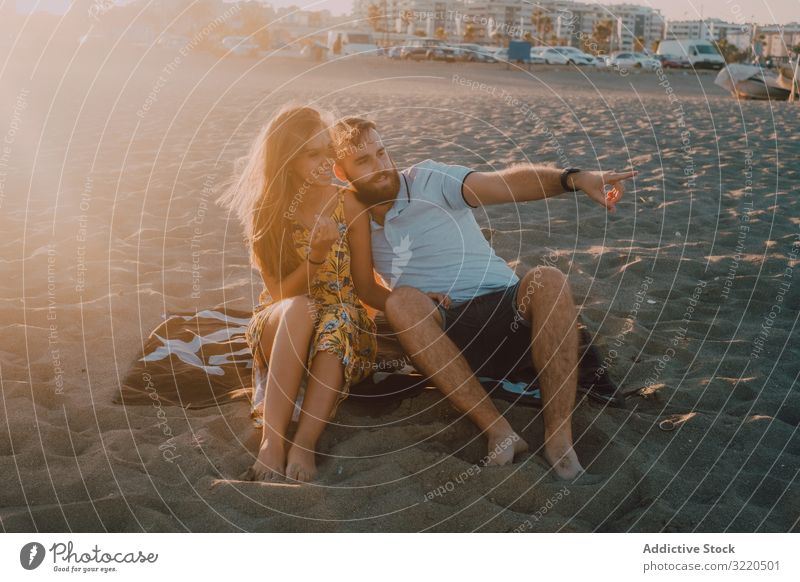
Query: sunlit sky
760	11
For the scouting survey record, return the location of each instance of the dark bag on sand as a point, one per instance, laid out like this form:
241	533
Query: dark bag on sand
199	360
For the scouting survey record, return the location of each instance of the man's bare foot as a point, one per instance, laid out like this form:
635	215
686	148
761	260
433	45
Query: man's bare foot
564	461
503	448
269	465
300	463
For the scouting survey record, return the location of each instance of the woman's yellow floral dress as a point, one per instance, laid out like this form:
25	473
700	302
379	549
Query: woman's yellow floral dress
343	325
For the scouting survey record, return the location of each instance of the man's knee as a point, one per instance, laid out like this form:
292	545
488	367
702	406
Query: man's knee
542	285
544	278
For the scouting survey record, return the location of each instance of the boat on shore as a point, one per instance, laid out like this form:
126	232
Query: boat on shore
754	82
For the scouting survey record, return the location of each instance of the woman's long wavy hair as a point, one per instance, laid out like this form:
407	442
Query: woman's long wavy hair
263	191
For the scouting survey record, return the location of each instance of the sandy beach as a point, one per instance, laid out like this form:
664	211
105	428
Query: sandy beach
691	290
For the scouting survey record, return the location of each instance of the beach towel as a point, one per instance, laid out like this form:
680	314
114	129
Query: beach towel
199	360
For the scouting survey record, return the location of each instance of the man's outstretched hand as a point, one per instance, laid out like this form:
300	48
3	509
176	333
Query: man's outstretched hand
595	185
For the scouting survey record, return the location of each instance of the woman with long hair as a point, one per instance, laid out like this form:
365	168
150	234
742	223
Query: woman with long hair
309	320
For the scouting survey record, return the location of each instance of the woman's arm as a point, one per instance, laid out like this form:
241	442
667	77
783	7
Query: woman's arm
369	290
298	282
295	283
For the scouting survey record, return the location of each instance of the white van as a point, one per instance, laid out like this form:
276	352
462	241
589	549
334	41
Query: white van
701	53
351	42
241	46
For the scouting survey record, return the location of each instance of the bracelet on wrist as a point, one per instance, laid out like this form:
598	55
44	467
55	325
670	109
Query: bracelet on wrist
564	183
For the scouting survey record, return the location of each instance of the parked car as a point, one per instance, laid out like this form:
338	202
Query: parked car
474	53
537	56
632	60
283	49
431	49
451	52
598	61
554	57
650	62
564	55
700	53
674	62
172	41
395	52
578	56
351	43
501	55
240	46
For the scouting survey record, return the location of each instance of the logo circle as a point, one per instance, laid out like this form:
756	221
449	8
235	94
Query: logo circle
31	555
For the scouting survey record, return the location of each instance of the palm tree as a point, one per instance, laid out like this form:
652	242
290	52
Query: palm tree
406	17
729	51
375	17
543	25
499	38
254	17
601	34
469	33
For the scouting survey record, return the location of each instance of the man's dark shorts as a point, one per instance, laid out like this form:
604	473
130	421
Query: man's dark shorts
491	333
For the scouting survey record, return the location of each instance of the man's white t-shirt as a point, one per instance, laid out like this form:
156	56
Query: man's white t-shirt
430	238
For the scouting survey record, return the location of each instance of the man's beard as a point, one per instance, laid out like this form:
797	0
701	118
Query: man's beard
369	193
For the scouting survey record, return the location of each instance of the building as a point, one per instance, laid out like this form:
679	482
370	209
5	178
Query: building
493	20
688	29
565	22
409	17
711	29
638	27
779	41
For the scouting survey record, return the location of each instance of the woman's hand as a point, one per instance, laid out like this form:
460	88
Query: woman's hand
323	235
440	298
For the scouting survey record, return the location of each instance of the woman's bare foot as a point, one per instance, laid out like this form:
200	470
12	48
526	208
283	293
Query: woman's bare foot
564	460
269	465
503	448
300	463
